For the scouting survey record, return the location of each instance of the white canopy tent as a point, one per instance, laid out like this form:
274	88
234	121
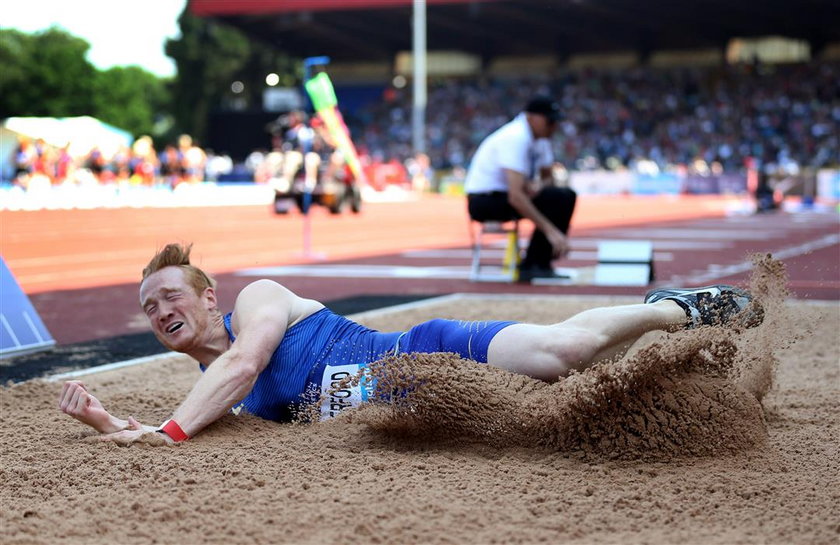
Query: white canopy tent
81	133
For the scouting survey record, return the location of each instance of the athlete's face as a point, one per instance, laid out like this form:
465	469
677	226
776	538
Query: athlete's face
180	318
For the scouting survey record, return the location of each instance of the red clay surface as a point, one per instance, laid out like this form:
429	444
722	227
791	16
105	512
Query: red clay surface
80	267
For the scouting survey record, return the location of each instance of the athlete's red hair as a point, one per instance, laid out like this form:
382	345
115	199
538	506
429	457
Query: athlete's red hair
176	255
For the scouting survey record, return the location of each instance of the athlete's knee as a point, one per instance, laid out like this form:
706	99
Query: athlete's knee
573	348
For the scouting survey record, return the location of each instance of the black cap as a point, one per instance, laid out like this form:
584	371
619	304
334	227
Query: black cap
544	106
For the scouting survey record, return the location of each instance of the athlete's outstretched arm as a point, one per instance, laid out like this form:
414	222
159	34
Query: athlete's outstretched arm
76	401
260	318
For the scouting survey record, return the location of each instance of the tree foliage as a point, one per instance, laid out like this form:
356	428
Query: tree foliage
207	56
131	98
210	57
46	74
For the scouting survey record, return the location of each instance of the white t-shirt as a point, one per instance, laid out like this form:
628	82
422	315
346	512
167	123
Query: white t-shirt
544	154
512	146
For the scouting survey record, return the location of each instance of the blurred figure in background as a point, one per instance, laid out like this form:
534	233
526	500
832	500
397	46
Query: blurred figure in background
65	166
420	169
143	164
510	178
25	155
292	141
170	166
97	165
193	159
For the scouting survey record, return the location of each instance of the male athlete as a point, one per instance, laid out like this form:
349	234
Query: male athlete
276	346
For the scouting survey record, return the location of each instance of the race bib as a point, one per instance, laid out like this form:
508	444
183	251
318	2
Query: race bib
337	391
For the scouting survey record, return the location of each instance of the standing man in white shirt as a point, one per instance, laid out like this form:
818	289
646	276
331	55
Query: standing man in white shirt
510	178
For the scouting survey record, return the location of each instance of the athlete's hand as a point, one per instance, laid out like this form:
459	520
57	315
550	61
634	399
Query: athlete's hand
137	432
76	401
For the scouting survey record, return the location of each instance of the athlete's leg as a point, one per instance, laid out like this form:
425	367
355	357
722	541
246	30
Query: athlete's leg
311	164
548	352
292	161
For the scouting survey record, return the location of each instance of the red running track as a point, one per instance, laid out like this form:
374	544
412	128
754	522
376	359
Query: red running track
81	267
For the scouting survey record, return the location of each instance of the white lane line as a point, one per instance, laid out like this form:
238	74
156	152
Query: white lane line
111	366
714	272
663	244
497	254
360	271
694	234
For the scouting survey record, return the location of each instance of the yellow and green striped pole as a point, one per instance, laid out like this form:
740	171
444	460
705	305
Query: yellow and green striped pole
322	94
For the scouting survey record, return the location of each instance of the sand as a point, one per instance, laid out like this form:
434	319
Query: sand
719	435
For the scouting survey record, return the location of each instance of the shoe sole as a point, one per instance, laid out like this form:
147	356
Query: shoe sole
749	316
676	292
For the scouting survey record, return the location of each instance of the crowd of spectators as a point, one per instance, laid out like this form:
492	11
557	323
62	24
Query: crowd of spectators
644	118
37	162
780	114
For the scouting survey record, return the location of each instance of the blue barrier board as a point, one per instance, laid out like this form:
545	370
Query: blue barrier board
21	329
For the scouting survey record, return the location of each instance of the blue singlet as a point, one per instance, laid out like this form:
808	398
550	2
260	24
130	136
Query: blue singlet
325	345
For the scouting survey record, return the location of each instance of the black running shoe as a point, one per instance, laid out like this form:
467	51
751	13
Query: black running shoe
712	305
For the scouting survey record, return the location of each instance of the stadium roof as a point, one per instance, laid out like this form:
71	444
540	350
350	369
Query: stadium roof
377	29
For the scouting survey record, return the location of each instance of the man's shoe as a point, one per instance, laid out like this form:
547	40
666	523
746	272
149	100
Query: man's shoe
712	305
527	274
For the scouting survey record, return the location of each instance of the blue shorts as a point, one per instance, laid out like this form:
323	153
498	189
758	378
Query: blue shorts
323	349
469	340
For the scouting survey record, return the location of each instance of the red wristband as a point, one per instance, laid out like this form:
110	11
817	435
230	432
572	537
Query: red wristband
173	430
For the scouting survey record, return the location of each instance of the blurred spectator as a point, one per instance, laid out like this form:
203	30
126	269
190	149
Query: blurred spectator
25	156
97	165
217	165
617	119
120	165
292	140
143	164
420	170
65	166
193	160
170	166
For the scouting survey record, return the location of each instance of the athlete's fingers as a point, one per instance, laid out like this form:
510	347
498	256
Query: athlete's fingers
61	396
74	401
82	402
66	394
68	390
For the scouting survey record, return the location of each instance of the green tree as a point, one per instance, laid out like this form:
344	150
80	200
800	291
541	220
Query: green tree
131	98
45	74
207	56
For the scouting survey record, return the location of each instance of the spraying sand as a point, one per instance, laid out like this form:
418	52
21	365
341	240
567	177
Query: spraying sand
715	435
694	392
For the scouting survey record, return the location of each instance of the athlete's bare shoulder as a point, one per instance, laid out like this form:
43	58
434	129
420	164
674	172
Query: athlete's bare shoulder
277	294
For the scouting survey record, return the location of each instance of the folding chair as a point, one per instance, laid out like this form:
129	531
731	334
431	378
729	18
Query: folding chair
509	269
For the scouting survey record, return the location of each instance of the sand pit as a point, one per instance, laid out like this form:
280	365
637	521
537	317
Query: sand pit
684	440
